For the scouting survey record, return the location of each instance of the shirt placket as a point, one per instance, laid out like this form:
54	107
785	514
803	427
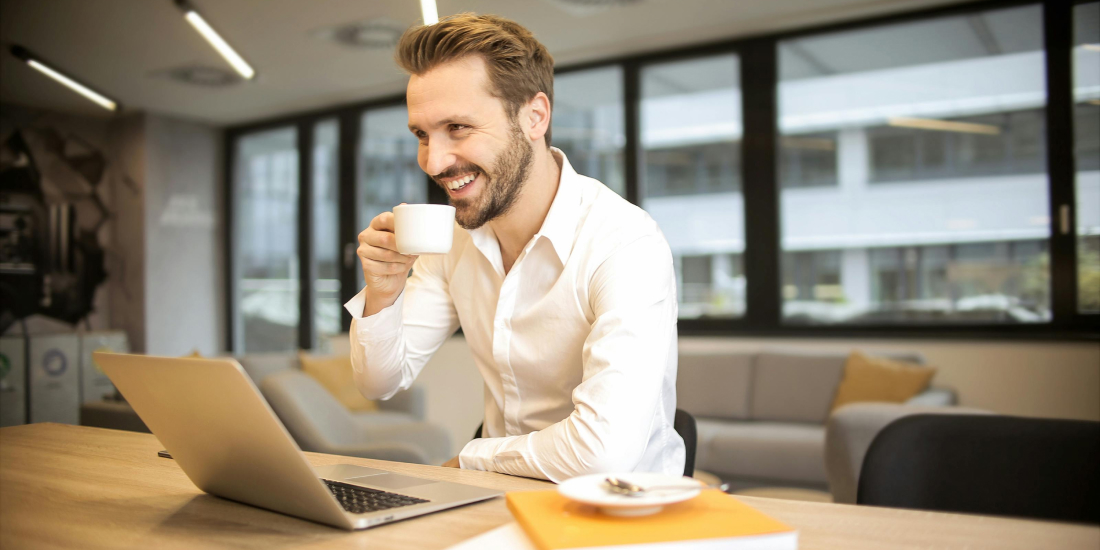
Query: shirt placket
502	344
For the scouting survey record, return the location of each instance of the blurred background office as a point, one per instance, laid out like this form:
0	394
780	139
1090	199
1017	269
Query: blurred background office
915	178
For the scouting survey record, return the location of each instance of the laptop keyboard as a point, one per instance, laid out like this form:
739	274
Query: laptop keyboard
360	500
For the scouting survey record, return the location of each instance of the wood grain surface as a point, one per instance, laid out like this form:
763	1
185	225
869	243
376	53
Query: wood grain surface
76	487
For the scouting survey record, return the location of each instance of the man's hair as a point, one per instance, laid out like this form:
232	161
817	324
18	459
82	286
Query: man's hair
519	66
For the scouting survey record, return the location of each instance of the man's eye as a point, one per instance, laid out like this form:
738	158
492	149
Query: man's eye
457	127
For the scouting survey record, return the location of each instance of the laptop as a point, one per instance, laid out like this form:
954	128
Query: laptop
213	421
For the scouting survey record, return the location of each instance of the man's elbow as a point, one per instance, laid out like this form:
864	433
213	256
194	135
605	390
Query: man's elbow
375	387
607	461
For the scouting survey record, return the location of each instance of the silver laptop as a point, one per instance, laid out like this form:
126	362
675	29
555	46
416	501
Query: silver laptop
209	415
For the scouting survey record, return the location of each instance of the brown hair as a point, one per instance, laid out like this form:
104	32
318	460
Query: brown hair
519	66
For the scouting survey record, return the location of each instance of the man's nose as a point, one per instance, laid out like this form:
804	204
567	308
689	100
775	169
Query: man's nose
440	156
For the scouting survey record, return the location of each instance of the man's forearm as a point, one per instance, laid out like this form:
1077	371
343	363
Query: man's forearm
376	302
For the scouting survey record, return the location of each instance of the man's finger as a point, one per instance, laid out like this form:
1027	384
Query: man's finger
383	268
383	222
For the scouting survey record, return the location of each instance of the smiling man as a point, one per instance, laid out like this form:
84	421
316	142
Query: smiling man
565	292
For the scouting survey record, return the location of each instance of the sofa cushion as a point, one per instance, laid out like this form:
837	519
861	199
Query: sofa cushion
762	450
881	380
337	375
261	365
795	387
714	385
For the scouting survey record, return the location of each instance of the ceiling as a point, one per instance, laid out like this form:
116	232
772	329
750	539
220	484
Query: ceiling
127	48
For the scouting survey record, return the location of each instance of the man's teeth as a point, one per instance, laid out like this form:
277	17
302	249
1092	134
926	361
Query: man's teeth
461	182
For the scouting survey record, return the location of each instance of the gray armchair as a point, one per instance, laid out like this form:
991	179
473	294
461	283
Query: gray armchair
851	429
319	423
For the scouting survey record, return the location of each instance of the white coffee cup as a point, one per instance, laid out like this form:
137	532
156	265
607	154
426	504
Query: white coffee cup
424	228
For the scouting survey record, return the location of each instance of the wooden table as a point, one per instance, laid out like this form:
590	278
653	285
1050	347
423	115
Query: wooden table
76	487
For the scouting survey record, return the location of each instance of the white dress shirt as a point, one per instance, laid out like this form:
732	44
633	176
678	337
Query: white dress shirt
576	343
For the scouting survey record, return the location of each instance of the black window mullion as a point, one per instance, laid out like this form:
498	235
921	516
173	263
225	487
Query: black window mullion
307	267
632	157
761	191
348	228
230	182
1058	39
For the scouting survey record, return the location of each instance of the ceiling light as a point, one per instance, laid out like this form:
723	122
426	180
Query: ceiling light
38	64
944	125
1093	47
215	39
428	9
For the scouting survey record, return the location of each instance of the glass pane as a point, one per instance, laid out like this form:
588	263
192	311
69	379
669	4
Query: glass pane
912	162
691	178
388	172
588	123
1086	129
266	187
326	237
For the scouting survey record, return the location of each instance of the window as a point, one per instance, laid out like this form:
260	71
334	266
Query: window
326	239
1086	128
911	188
989	145
266	185
691	177
388	171
588	123
957	131
808	160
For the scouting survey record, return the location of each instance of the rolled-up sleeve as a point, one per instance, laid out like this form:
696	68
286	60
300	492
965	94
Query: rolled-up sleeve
625	357
389	348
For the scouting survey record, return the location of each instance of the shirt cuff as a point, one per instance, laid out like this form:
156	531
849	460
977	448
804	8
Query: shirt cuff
389	317
479	454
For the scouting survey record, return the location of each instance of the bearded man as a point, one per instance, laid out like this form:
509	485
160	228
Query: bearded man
565	292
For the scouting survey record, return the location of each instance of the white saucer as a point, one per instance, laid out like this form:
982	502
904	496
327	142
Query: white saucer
592	490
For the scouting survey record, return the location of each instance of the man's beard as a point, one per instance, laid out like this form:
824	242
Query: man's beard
502	187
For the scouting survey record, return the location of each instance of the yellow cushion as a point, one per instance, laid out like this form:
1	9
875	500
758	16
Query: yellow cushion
335	374
883	380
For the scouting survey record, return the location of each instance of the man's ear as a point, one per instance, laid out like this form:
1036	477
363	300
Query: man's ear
536	117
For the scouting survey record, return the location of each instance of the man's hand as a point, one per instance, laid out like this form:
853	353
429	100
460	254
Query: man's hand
452	463
384	269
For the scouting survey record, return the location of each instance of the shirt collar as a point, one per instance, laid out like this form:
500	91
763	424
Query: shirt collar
560	225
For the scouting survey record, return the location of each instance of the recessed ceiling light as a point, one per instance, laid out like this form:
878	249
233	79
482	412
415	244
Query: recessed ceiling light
379	33
200	75
590	7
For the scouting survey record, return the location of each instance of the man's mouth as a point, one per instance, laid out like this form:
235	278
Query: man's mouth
458	184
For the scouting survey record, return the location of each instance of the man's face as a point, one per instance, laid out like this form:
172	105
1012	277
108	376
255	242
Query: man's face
468	143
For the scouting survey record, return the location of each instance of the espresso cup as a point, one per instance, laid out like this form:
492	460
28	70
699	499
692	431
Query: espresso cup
424	228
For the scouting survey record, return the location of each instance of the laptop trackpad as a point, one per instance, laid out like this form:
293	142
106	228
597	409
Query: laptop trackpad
391	481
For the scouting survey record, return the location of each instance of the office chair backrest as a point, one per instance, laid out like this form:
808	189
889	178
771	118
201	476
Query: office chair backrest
684	424
997	465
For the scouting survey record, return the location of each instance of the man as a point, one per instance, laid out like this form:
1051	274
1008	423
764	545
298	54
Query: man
565	292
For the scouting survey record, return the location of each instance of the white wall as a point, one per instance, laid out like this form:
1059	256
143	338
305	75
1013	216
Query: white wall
1040	379
184	275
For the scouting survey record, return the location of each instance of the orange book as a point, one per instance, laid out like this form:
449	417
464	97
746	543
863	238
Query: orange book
711	520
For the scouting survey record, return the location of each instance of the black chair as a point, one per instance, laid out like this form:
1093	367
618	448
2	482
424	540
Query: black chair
996	465
683	423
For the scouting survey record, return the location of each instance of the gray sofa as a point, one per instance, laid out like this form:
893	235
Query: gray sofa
761	416
319	423
850	431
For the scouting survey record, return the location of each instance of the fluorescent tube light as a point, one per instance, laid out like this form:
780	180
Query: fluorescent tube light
428	9
69	82
1093	47
944	125
219	44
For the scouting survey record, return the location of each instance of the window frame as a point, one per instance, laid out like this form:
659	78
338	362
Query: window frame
759	89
